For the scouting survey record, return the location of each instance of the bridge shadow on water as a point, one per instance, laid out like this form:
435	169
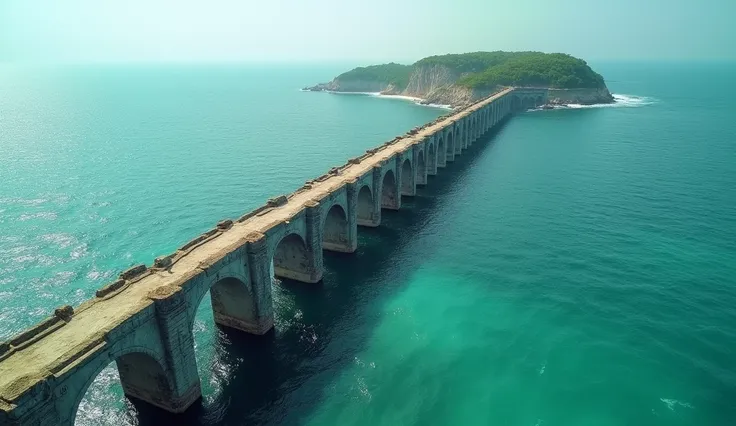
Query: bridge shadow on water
262	380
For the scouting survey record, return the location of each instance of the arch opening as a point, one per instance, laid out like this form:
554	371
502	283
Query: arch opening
450	145
407	178
233	304
291	259
421	169
136	375
389	192
366	207
432	160
539	102
441	152
335	233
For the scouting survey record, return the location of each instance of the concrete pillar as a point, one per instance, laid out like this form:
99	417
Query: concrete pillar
456	129
431	155
375	219
469	131
175	332
394	201
466	142
313	219
450	142
340	223
478	126
408	174
419	155
259	273
441	148
351	242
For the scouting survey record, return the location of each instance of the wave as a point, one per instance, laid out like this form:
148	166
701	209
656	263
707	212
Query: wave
414	99
619	101
672	403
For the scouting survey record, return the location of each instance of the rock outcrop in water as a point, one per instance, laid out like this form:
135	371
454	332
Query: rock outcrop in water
459	80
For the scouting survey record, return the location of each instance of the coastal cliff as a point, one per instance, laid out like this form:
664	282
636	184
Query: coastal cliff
458	80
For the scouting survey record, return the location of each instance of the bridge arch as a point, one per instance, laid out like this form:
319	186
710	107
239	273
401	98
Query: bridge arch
141	374
389	191
365	206
233	304
539	102
450	146
432	160
407	178
441	155
290	258
421	168
231	298
335	232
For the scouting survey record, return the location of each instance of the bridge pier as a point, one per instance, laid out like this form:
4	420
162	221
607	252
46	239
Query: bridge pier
464	133
479	129
369	200
350	242
138	373
458	135
408	175
441	149
419	154
390	185
431	149
482	118
241	299
450	140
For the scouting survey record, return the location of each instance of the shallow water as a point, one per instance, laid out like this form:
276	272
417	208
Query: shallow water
576	268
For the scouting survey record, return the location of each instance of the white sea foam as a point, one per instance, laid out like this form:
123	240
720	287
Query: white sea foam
619	101
672	403
414	99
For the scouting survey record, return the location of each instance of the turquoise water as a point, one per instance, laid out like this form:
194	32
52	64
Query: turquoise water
577	268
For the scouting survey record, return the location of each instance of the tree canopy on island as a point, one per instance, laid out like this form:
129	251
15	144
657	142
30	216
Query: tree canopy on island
391	73
537	70
486	70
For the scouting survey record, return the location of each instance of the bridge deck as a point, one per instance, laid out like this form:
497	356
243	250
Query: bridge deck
23	368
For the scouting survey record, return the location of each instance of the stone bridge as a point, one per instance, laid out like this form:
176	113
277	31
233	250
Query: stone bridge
143	321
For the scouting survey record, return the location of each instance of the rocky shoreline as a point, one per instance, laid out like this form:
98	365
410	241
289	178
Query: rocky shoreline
458	96
436	85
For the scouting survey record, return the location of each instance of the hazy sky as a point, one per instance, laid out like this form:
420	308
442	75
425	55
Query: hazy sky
366	31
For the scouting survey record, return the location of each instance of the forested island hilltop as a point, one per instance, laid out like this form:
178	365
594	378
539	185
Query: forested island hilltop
458	79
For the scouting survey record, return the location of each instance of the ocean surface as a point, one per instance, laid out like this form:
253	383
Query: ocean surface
578	267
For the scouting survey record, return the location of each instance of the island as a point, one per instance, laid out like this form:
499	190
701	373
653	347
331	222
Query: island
460	79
